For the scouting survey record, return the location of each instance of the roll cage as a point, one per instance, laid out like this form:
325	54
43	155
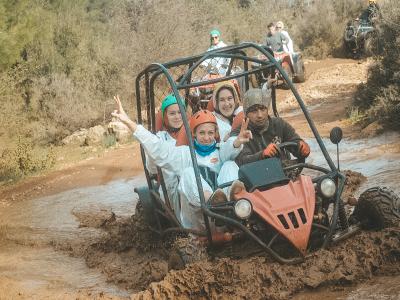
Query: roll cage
177	78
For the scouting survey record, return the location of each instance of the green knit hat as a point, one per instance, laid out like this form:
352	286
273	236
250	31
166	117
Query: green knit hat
215	32
169	100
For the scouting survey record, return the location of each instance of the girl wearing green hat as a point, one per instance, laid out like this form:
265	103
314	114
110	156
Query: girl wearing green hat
219	63
171	124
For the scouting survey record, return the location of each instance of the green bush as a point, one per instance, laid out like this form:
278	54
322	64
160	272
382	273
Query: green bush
24	159
379	98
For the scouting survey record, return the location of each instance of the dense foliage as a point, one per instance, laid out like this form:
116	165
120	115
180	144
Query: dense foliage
61	61
379	98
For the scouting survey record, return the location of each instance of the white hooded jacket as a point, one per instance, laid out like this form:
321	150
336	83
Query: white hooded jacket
170	157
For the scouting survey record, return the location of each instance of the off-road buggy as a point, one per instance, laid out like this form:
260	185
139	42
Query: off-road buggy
289	208
292	64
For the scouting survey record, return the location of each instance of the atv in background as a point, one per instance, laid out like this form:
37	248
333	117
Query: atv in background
292	64
358	38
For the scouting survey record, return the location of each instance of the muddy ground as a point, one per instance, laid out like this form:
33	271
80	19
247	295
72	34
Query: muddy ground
71	234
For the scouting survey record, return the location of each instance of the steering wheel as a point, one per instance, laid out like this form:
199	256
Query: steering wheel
286	161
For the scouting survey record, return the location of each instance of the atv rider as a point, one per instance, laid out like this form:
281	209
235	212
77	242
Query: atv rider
218	64
275	39
267	131
227	105
371	13
216	163
289	46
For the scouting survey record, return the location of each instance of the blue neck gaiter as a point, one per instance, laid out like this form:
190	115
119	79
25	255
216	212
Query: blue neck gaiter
204	150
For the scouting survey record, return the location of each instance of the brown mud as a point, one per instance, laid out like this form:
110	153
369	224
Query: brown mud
365	255
85	214
132	257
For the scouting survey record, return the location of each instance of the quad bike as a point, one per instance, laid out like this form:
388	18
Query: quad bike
292	64
360	38
289	207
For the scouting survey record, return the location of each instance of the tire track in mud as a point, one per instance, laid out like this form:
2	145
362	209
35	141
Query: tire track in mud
359	258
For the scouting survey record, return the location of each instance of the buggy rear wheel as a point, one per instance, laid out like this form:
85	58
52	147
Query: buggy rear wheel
378	208
186	250
300	71
289	73
146	206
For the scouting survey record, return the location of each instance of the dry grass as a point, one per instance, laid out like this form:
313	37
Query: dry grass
61	61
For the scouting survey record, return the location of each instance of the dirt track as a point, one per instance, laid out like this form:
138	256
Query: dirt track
118	250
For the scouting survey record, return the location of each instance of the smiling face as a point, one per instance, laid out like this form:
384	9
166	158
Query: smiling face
173	116
205	133
226	102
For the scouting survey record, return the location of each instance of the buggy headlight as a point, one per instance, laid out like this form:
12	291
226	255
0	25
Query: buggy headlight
243	208
327	187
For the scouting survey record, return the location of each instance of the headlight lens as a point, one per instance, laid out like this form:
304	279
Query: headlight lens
243	208
328	187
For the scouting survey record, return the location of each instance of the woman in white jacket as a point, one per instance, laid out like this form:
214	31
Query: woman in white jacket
178	160
227	106
289	46
171	124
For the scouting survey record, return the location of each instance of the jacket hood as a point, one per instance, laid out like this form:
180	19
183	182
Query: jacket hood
226	84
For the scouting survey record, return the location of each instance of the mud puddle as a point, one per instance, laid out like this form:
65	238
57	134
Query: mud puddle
379	288
377	158
103	249
31	230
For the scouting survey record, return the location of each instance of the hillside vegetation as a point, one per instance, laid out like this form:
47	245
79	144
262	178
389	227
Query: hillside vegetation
379	99
61	61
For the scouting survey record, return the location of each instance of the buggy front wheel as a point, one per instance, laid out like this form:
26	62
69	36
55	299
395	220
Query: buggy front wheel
378	208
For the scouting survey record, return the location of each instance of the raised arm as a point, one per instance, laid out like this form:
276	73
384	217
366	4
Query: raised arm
164	154
234	145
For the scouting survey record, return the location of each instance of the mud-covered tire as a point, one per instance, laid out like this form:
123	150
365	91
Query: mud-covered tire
185	251
378	208
145	206
301	72
289	73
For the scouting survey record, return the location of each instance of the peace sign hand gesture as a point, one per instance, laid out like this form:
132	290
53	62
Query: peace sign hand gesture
121	115
244	135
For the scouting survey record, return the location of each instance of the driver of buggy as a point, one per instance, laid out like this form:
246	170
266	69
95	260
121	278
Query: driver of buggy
216	64
215	162
267	132
371	13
